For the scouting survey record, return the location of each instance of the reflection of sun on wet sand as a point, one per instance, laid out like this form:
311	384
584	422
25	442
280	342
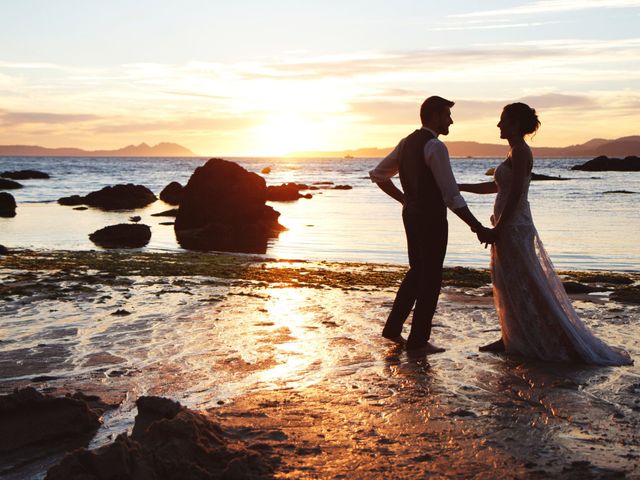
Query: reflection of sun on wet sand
288	355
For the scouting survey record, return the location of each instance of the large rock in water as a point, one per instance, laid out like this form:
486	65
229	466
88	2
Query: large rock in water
604	164
118	197
123	235
223	208
24	174
9	184
7	205
172	193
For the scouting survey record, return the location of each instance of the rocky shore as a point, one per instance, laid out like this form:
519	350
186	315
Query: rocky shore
280	372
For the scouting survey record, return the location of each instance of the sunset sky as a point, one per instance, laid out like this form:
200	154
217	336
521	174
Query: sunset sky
272	77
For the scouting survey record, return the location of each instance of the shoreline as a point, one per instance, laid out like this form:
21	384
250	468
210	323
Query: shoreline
288	354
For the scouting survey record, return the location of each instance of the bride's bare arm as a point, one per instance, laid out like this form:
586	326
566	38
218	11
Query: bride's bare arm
520	163
481	188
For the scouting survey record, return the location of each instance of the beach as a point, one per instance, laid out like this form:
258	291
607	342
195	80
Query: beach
288	354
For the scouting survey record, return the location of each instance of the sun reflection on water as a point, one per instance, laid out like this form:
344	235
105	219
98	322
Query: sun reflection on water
296	351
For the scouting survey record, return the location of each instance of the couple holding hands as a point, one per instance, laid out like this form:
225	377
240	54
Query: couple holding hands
536	317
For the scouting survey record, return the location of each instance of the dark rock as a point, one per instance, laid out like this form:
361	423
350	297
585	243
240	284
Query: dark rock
24	174
29	418
575	287
172	193
168	442
223	208
123	235
81	208
630	294
4	250
342	187
167	213
7	205
150	410
626	192
72	200
9	184
604	163
118	197
43	378
539	176
287	192
135	218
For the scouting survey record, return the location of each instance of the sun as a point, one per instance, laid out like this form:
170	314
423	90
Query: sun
284	133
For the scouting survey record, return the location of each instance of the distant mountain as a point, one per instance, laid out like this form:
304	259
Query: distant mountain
620	147
142	150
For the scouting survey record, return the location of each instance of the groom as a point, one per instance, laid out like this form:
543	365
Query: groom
428	188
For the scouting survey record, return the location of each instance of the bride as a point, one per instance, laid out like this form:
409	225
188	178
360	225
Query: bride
536	316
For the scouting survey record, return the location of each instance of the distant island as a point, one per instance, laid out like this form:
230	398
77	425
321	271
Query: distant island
620	147
142	150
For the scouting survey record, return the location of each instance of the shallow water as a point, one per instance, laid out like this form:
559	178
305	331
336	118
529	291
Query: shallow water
582	226
312	363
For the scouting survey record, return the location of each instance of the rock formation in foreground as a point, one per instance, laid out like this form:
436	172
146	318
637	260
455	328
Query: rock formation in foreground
34	426
168	442
606	164
118	197
123	235
223	208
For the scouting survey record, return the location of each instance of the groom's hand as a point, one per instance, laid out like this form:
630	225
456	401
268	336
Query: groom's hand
486	235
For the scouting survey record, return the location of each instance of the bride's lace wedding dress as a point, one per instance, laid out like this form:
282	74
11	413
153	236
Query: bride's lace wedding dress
536	315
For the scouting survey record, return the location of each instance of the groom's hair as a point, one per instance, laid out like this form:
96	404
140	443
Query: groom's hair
433	106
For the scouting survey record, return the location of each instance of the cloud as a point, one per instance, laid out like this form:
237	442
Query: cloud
551	6
405	112
21	118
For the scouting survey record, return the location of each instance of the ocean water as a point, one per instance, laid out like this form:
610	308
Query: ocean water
582	224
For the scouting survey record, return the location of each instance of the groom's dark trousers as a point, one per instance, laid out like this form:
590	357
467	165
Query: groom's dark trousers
425	222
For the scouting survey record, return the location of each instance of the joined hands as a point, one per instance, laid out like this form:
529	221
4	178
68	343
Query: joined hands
486	235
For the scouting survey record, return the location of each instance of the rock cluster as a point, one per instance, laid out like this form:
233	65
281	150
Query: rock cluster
287	192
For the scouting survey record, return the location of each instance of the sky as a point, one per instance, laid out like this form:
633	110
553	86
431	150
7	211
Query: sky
269	77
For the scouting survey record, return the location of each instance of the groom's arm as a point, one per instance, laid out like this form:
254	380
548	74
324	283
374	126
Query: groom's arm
437	158
390	189
387	168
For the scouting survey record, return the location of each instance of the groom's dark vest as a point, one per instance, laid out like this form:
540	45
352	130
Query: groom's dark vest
421	192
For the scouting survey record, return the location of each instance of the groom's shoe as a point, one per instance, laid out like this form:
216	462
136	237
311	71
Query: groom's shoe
497	346
427	349
399	339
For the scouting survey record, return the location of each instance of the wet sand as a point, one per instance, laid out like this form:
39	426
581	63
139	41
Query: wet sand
288	354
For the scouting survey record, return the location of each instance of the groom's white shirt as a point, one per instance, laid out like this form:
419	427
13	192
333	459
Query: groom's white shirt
436	157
